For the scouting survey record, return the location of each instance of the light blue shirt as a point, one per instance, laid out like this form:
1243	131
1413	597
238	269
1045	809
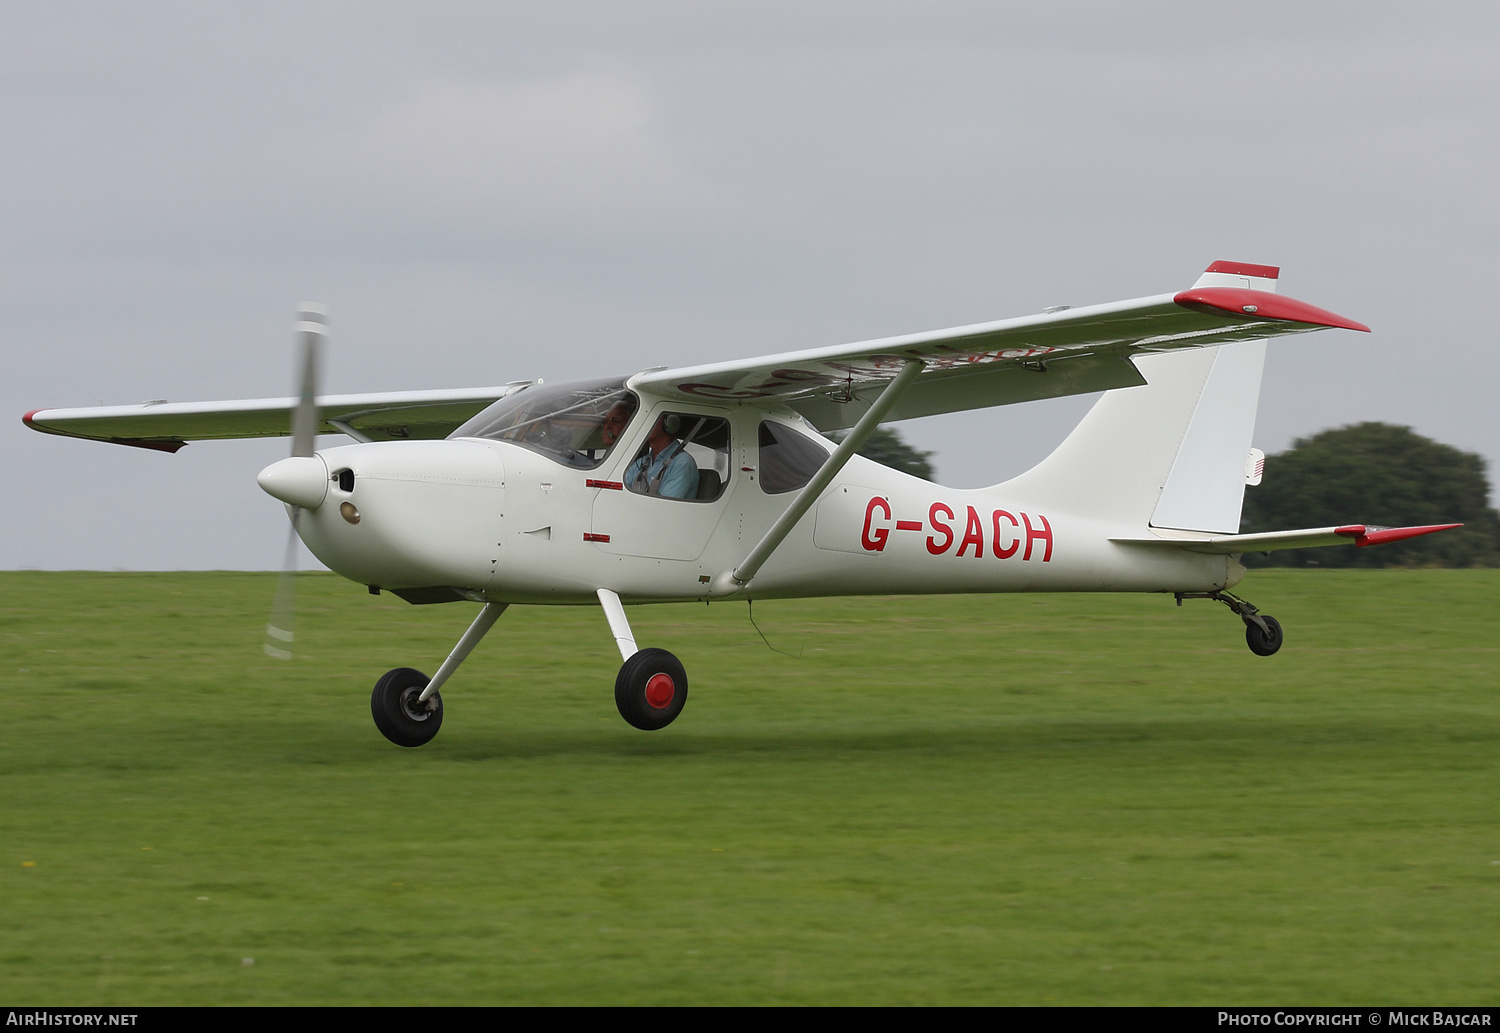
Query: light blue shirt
675	469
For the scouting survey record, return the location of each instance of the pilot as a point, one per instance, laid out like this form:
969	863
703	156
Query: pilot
610	429
663	468
614	423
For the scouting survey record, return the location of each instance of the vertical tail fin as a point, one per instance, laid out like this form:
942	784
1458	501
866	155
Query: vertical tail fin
1170	453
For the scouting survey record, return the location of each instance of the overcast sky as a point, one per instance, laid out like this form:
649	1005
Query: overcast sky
485	192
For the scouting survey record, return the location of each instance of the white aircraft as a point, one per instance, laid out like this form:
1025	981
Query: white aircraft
713	482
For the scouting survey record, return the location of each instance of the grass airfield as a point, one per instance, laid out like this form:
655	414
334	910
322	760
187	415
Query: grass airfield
963	800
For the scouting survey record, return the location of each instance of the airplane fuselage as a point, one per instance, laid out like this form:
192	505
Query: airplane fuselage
498	522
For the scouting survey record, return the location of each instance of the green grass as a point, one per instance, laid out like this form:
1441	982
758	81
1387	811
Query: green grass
1029	799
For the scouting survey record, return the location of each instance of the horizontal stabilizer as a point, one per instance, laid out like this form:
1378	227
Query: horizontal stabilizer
1273	541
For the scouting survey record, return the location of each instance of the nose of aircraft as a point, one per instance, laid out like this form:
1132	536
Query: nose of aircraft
297	481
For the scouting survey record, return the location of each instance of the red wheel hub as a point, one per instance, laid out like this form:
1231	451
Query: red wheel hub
660	690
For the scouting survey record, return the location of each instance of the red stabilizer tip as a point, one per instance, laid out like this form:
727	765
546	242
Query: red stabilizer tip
1385	535
1248	304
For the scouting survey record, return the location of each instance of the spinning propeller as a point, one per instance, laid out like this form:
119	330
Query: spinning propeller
312	333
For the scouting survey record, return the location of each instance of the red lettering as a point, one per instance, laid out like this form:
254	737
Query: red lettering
875	542
779	382
875	367
937	525
1042	534
803	376
1010	550
716	391
973	535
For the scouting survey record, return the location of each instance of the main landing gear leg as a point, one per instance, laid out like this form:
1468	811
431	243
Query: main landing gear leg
651	687
1262	633
406	705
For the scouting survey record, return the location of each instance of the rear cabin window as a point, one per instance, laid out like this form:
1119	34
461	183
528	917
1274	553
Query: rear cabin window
788	458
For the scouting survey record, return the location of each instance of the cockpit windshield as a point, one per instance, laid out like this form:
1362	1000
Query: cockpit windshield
575	423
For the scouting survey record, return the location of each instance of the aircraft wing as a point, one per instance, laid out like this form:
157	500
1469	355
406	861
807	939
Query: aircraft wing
1361	535
167	426
1059	352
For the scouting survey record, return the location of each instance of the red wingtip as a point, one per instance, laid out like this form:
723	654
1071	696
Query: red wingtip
1248	304
156	444
1364	536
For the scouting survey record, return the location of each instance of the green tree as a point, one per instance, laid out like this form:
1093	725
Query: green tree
887	448
1379	474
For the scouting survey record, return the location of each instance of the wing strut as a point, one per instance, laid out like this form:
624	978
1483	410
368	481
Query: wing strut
727	582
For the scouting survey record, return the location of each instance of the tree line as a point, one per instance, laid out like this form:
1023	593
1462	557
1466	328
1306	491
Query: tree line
1376	473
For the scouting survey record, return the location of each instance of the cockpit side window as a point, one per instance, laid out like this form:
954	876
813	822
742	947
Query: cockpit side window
788	458
577	424
685	456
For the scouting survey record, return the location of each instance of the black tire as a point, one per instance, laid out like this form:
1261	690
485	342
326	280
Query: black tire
651	689
1260	642
398	714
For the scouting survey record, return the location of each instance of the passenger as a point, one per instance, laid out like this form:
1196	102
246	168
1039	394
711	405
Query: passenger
663	468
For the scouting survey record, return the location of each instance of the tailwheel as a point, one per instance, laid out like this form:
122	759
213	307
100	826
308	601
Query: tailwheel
1263	641
651	689
1262	633
400	715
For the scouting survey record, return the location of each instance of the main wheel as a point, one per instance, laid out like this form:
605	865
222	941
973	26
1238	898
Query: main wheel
651	689
1263	643
399	714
